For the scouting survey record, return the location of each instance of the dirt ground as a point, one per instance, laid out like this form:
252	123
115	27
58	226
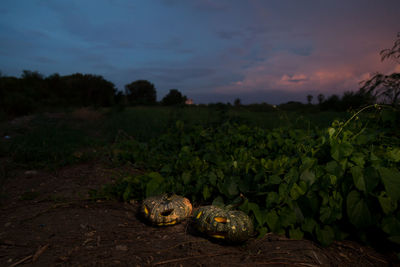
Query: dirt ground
46	219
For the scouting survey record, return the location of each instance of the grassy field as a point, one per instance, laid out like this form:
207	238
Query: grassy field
55	139
286	158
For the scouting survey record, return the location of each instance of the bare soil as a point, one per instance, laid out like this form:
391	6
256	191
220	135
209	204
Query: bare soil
46	219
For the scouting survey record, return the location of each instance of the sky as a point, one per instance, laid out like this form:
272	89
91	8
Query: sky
271	51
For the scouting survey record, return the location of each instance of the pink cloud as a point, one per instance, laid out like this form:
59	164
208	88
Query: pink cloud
336	68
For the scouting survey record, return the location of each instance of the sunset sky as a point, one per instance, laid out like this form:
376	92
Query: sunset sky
211	50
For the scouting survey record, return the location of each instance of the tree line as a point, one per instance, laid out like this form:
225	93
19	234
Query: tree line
32	92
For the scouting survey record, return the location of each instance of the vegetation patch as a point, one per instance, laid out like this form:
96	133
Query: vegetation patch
324	183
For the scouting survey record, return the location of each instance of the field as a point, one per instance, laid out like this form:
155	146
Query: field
321	187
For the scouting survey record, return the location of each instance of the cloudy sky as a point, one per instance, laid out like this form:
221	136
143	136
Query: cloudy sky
211	50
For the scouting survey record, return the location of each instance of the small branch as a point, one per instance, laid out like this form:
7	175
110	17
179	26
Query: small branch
21	261
34	257
39	252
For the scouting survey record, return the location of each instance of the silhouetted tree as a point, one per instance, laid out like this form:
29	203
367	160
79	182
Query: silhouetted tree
15	100
309	99
355	100
292	105
31	75
331	103
120	99
321	98
386	87
237	102
32	92
141	92
174	97
393	52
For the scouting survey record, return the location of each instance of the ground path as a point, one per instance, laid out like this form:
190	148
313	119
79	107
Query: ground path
46	219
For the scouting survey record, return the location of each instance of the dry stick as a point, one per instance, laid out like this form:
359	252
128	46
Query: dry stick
188	258
34	257
39	252
316	257
376	258
21	261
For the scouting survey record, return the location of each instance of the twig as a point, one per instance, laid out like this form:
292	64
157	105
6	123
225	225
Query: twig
34	257
376	258
188	258
39	252
21	261
316	257
11	244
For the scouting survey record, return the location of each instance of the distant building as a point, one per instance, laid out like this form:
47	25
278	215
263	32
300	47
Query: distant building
189	101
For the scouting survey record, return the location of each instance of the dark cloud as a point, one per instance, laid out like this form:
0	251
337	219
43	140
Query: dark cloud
295	78
173	75
216	50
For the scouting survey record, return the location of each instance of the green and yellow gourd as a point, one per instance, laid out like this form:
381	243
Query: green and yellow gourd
166	209
230	225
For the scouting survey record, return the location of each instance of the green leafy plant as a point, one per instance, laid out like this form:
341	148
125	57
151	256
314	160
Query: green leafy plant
324	184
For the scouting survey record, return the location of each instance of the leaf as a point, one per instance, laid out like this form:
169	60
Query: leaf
260	216
340	151
325	214
357	210
232	188
394	154
371	177
212	178
391	226
307	163
331	131
186	177
127	194
334	168
274	179
296	233
387	204
272	220
218	202
359	159
308	176
296	191
325	236
308	225
262	231
155	186
358	178
272	198
391	181
287	217
206	192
